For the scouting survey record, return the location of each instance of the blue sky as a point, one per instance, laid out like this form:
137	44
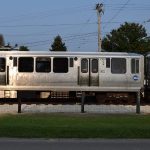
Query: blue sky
35	23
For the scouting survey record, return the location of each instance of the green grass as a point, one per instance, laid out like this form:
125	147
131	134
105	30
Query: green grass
74	126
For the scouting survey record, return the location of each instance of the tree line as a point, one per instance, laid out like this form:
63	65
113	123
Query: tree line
57	45
129	37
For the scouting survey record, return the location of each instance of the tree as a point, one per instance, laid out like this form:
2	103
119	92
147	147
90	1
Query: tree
58	45
2	42
129	37
23	48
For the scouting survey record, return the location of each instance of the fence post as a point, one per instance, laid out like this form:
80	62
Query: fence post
19	105
138	102
82	102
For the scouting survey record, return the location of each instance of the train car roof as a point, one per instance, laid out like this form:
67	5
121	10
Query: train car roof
31	53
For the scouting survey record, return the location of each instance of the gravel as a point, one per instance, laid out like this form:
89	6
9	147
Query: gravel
110	109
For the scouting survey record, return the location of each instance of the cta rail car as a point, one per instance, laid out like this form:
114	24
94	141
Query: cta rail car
99	73
147	78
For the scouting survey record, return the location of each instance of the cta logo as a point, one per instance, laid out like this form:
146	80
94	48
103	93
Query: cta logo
135	77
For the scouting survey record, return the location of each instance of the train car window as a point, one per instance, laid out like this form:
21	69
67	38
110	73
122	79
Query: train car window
134	66
84	65
118	65
43	64
15	61
148	65
94	65
71	62
60	65
25	64
2	64
107	62
137	66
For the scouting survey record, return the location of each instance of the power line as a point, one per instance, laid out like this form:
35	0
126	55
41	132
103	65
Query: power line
117	13
46	25
66	37
121	8
72	9
55	25
70	38
46	14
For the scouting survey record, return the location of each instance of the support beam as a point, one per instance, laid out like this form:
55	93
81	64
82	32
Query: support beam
19	105
138	102
82	102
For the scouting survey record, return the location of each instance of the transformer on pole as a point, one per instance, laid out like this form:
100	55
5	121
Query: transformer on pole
100	11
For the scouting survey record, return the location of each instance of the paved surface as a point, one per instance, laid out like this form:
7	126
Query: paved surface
73	144
117	109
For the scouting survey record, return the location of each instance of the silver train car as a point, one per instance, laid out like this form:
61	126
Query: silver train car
147	78
95	72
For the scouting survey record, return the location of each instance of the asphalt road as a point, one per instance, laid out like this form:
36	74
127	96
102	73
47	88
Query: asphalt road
74	144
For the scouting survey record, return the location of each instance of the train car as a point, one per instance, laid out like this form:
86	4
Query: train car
147	78
98	73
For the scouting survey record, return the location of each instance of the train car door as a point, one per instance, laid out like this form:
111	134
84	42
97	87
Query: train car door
3	71
89	72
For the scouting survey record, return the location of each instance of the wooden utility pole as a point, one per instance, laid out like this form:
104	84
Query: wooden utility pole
99	8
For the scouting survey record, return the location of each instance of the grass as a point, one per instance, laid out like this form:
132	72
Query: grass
74	126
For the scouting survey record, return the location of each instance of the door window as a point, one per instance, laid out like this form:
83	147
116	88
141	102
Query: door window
94	65
84	65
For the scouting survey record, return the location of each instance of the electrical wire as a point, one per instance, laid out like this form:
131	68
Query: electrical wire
117	13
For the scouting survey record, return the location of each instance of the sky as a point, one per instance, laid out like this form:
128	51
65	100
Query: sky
35	23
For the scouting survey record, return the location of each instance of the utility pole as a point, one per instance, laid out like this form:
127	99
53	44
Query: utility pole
99	8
